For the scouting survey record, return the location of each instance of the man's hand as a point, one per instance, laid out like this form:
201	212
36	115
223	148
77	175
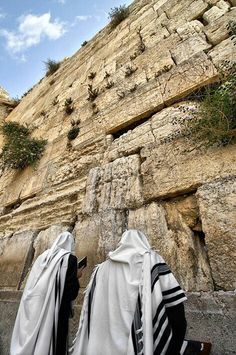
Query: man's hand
80	272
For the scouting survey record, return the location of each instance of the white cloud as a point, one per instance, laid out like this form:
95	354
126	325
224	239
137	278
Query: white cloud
2	15
83	17
31	30
87	17
62	1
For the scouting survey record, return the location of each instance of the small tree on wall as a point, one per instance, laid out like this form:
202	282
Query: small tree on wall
20	150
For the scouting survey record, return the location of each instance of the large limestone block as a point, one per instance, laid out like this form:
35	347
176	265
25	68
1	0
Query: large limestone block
217	30
216	12
170	235
217	201
130	142
186	77
15	252
96	236
172	168
134	106
190	28
115	185
189	48
226	50
187	9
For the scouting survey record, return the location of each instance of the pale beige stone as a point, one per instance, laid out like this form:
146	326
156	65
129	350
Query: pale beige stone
217	201
4	94
217	31
226	50
96	235
115	185
174	240
173	168
188	76
214	13
188	48
190	29
14	251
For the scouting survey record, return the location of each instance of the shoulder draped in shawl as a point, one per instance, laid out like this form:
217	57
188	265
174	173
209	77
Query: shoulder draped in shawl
36	322
124	310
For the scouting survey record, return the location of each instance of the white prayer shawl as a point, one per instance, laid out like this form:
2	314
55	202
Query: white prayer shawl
36	322
125	302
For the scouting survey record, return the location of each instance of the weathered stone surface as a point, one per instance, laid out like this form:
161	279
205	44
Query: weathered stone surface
226	50
211	317
96	236
184	78
13	258
59	205
162	177
217	30
216	12
190	28
170	235
189	48
4	94
217	202
115	185
202	313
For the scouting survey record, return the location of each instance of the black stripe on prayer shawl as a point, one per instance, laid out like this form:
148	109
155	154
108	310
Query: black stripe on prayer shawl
90	300
173	299
163	340
163	333
57	297
159	269
136	329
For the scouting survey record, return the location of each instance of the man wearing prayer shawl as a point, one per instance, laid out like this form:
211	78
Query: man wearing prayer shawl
133	305
41	325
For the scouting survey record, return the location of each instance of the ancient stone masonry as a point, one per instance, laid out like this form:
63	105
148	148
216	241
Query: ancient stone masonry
129	167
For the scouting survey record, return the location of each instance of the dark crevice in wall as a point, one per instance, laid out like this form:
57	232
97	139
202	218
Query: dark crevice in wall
117	134
28	261
8	209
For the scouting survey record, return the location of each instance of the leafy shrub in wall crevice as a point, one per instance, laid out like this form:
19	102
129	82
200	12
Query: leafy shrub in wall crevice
20	150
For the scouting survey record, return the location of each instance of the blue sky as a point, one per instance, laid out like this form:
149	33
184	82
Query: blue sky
31	31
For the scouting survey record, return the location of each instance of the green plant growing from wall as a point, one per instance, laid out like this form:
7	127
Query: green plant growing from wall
51	66
69	107
74	131
129	70
20	150
214	120
109	84
92	75
92	93
141	46
84	43
231	28
117	15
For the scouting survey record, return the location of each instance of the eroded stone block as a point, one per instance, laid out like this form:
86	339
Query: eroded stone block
217	201
14	252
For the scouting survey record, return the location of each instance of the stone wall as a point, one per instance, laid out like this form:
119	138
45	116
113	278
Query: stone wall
129	167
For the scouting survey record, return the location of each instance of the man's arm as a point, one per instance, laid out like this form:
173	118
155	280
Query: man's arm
177	321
